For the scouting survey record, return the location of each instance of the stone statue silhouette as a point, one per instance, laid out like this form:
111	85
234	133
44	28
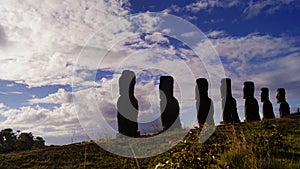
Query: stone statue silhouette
127	105
204	105
251	105
284	107
169	105
267	109
230	114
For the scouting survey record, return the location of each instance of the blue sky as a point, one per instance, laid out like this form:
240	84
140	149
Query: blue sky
234	20
41	44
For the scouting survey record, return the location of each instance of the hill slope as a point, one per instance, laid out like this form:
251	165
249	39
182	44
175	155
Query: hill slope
268	144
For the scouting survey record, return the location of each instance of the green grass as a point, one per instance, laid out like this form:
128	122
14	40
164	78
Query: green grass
268	144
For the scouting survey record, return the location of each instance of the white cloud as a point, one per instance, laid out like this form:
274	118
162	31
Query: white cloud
250	9
215	34
209	4
16	92
156	38
255	46
172	8
2	106
188	34
43	39
56	123
2	37
10	85
60	97
268	61
270	6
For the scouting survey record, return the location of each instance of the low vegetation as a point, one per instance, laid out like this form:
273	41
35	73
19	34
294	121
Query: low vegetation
266	144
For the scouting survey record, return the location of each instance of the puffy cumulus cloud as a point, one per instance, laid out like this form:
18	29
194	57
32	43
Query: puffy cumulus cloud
157	38
60	97
2	106
64	22
24	115
38	69
61	122
86	111
43	39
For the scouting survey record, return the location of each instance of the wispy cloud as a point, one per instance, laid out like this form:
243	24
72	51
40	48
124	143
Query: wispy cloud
250	9
215	34
209	4
254	8
268	61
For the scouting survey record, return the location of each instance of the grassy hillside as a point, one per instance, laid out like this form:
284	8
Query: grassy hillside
268	144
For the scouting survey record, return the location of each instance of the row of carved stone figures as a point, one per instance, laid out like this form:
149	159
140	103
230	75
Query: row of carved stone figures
128	105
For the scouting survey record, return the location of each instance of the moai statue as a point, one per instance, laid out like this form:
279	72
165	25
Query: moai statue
204	105
251	105
169	105
284	107
267	109
230	114
127	105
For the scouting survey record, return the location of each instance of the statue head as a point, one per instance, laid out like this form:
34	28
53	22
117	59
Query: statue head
264	96
127	82
226	88
201	87
248	89
280	95
166	85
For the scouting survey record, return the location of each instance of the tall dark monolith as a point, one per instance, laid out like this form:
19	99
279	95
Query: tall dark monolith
267	109
204	105
169	105
230	114
127	105
251	105
284	107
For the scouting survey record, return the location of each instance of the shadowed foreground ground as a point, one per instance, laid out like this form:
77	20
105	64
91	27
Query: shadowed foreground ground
268	144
